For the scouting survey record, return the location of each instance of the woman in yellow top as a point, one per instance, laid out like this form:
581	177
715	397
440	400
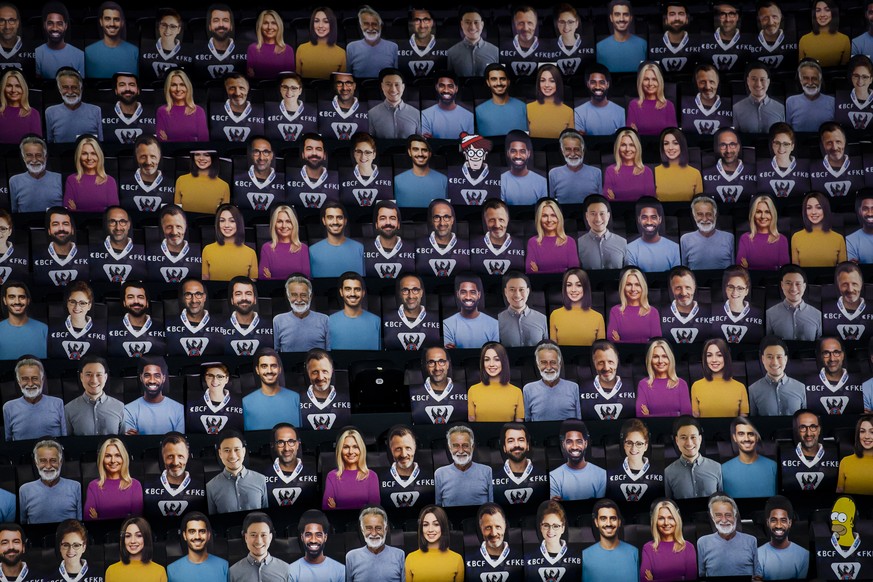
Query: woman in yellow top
675	180
136	555
433	561
576	324
321	56
717	394
494	399
201	190
856	471
229	256
817	245
548	116
825	43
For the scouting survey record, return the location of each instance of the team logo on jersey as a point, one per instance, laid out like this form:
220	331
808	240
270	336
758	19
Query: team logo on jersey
724	62
64	277
838	189
860	119
286	496
439	414
344	129
244	347
683	335
117	273
771	61
218	71
4	274
733	333
128	135
707	126
404	499
411	341
161	69
729	193
172	508
290	131
312	199
494	576
569	66
846	570
174	274
518	496
442	267
237	133
633	491
365	196
523	68
147	203
388	270
260	200
834	404
194	346
608	411
136	349
852	331
321	421
809	481
674	64
551	573
76	349
497	266
782	188
420	68
213	423
474	197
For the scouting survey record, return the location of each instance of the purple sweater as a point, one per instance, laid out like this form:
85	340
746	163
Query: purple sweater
549	257
111	502
176	126
762	255
667	565
88	195
663	401
282	262
626	186
266	63
348	492
631	328
648	119
13	127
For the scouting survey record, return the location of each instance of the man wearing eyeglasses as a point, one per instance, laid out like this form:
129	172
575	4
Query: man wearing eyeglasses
727	46
175	258
474	182
261	186
833	390
442	252
406	482
729	180
808	465
193	332
288	114
119	258
270	403
423	52
153	412
344	115
16	53
245	331
410	327
437	400
290	481
236	488
175	490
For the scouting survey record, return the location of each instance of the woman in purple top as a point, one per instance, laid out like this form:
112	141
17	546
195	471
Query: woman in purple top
669	556
663	393
90	189
181	119
633	321
270	55
628	180
17	117
551	250
284	255
115	495
351	485
651	113
763	248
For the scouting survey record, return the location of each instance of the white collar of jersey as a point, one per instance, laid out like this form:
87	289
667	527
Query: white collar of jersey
310	393
818	455
125	321
557	558
782	173
524	475
730	43
498	561
148	188
174	259
607	395
702	107
731	177
770	47
682	43
8	252
408	480
168	55
842	308
284	111
68	323
62	570
845	553
369	180
221	404
11	52
252	326
436	247
433	394
465	169
127	120
227	52
686	318
339	111
281	474
425	50
836	174
490	246
317	182
522	52
727	311
175	490
54	254
21	576
237	117
389	255
570	50
857	103
626	467
199	326
267	181
421	315
827	383
118	255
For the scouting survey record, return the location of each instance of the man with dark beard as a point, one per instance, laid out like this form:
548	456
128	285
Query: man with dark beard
314	566
676	51
192	332
36	189
175	490
577	478
497	555
260	186
146	189
13	548
336	253
219	57
406	483
314	184
447	118
387	256
153	413
610	558
119	258
781	559
51	497
376	560
63	261
520	185
270	402
290	481
245	332
808	465
55	52
518	481
129	117
198	564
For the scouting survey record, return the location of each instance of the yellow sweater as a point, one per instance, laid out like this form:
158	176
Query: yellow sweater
576	327
719	398
318	61
201	194
856	475
830	50
224	262
818	248
495	402
548	120
677	184
434	566
136	572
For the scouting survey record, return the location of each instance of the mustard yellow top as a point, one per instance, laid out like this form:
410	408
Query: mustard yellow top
201	194
224	262
576	327
318	61
495	402
856	475
548	120
434	566
677	184
136	571
818	248
829	49
719	398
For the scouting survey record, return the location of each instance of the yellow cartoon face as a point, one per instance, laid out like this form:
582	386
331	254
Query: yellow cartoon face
843	517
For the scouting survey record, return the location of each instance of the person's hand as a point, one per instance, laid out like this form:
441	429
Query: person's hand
71	204
267	274
92	512
744	263
648	575
610	194
450	346
615	336
645	410
556	497
131	431
533	266
162	135
331	502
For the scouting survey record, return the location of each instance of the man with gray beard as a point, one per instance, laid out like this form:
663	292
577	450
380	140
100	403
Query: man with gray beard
33	414
463	482
51	498
551	397
707	247
573	182
68	120
300	329
35	190
375	562
726	552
